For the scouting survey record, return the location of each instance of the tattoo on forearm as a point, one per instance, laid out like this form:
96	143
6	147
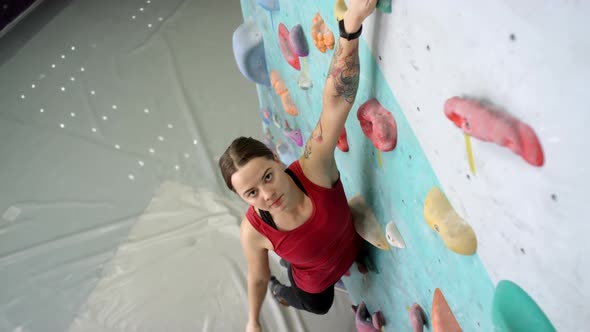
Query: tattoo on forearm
344	70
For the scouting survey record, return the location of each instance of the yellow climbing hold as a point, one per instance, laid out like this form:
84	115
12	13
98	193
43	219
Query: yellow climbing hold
339	9
453	230
366	224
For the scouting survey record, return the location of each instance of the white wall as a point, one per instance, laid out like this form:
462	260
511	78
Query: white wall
531	222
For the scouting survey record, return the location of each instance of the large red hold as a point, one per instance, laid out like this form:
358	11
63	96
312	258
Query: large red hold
490	125
378	125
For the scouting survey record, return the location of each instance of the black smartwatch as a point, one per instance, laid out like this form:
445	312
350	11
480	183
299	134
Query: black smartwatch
348	36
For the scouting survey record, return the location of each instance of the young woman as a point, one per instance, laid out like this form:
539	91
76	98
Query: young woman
301	212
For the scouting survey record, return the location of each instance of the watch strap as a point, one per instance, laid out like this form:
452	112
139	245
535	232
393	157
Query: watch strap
346	35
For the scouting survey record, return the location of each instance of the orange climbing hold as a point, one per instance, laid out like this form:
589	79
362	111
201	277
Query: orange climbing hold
281	90
322	37
491	125
443	319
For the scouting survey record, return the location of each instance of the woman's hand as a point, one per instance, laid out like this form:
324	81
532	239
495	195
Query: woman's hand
361	9
253	327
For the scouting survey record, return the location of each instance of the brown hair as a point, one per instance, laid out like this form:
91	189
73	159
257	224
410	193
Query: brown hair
240	152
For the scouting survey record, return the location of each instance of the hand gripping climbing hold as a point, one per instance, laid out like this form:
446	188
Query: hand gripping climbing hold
366	224
443	319
490	125
378	125
365	322
249	53
444	220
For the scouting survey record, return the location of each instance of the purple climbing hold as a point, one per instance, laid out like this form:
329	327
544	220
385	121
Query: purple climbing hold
365	322
298	42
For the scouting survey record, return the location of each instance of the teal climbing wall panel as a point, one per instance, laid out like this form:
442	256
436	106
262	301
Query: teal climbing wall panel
395	187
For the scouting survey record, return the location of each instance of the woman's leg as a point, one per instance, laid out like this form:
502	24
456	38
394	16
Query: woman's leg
318	304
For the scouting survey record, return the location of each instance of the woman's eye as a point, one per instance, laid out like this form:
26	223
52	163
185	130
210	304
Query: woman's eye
252	193
268	177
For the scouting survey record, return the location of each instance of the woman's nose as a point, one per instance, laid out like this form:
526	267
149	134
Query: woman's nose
268	194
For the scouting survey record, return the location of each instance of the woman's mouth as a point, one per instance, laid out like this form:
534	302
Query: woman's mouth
277	202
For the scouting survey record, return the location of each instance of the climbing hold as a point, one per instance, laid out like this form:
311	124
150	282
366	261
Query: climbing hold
378	125
269	4
248	49
442	218
285	46
297	41
322	37
281	90
514	310
365	322
265	115
339	9
393	236
443	319
417	319
300	47
366	224
342	141
384	6
491	125
294	135
276	120
286	153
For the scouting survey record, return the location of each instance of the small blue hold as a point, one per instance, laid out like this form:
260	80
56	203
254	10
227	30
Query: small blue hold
269	4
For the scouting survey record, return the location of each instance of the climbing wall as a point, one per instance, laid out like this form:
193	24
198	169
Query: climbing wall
484	183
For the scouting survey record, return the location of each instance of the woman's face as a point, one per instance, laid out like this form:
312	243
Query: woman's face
263	183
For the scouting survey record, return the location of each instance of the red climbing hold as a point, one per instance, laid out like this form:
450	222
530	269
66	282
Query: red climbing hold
285	46
490	125
378	125
342	141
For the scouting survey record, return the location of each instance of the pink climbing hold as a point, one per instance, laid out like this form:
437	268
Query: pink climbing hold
378	125
490	125
285	45
365	322
342	141
294	135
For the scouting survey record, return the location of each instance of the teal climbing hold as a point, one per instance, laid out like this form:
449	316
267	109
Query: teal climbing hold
384	6
513	310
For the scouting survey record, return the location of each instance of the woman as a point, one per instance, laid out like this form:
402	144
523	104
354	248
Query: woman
301	212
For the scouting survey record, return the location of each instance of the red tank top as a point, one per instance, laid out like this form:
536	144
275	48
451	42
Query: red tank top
325	246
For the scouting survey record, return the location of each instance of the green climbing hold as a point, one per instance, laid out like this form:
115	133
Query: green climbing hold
515	311
384	6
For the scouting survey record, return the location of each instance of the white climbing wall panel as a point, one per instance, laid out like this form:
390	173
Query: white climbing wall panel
531	59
